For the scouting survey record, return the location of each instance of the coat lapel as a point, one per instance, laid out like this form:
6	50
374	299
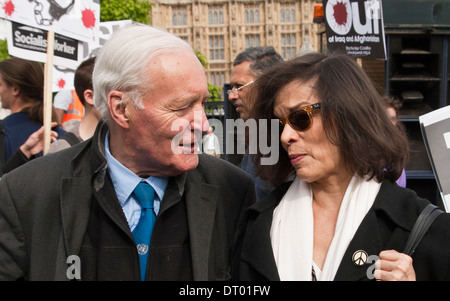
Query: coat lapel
75	207
201	202
391	210
362	252
257	248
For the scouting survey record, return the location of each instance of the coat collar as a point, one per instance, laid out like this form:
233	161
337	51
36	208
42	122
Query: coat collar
201	213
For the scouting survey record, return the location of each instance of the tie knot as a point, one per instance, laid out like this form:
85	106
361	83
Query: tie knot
145	194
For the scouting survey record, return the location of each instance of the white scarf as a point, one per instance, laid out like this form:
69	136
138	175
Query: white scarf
292	231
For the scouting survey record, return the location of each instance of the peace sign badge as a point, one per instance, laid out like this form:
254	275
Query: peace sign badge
360	257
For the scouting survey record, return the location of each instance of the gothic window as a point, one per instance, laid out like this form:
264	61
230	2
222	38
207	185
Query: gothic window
252	40
216	48
287	13
288	45
251	15
217	79
179	16
215	15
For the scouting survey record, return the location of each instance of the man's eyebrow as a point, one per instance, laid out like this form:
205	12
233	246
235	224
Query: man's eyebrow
190	101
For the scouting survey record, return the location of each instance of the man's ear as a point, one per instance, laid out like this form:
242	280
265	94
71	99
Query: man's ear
89	96
118	108
15	90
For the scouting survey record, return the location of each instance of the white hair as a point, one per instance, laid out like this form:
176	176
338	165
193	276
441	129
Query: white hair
122	63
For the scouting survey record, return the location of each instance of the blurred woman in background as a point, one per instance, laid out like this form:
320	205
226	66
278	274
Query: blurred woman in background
22	91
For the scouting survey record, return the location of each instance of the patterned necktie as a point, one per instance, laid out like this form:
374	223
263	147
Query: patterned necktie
142	233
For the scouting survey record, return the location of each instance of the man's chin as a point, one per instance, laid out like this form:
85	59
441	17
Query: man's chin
184	163
242	113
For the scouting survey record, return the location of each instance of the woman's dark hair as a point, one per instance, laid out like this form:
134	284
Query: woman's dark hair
392	102
353	116
28	76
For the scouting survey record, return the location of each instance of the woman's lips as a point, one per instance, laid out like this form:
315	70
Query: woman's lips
296	158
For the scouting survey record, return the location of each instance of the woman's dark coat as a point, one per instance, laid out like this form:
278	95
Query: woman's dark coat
386	226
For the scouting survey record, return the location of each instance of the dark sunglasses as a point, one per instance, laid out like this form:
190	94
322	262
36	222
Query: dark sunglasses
301	119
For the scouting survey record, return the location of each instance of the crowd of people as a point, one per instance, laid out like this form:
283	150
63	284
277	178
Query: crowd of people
131	198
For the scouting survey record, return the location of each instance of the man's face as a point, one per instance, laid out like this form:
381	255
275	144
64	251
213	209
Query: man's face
240	75
167	131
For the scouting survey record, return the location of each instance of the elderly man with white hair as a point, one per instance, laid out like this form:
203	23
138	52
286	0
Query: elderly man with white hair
136	201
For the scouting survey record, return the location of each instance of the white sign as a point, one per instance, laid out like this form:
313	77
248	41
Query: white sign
355	27
31	43
435	128
63	76
78	20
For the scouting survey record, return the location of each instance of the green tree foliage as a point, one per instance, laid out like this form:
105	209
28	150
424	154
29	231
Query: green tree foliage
3	50
136	10
201	58
214	92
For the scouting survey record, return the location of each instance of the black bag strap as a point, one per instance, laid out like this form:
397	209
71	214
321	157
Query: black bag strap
2	144
423	222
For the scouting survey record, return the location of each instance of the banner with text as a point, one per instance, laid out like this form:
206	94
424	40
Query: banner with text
355	27
31	43
63	77
78	20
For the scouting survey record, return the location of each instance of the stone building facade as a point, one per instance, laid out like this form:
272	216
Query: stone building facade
220	29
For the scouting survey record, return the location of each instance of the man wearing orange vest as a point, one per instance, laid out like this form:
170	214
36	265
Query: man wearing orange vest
69	108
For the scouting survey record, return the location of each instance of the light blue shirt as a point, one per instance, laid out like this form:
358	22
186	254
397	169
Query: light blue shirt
125	181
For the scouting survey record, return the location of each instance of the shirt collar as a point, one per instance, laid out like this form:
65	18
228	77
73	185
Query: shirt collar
124	180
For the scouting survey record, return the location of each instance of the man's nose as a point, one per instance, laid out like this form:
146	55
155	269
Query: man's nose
200	122
232	95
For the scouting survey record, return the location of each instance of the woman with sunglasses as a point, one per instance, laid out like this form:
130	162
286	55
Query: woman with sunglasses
337	209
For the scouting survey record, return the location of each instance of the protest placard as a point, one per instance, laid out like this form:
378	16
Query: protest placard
355	27
78	20
31	43
435	128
